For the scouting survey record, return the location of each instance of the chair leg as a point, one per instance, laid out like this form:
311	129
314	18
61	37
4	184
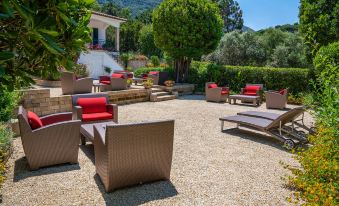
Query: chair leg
222	125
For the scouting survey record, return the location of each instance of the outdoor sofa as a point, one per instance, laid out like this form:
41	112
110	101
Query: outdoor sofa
253	90
70	84
215	93
131	154
114	82
276	99
92	108
49	140
158	77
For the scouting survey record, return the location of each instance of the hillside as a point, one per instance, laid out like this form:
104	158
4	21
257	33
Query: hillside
136	6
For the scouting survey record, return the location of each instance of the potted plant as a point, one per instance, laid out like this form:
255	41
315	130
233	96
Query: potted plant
108	70
129	82
148	83
169	83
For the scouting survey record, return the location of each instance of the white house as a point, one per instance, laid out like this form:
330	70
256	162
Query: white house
97	58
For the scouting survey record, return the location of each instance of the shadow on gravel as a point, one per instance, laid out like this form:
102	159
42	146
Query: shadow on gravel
88	149
191	97
256	137
22	171
137	195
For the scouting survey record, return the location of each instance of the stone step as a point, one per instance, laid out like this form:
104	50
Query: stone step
165	98
156	90
158	94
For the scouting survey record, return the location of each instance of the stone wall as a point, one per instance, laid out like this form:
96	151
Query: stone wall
182	89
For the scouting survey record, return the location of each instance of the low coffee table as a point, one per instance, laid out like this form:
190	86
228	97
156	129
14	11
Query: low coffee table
137	80
97	87
255	99
87	131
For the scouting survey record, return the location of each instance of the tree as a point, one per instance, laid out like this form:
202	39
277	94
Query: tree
39	37
129	35
145	17
319	23
116	10
146	42
231	15
186	29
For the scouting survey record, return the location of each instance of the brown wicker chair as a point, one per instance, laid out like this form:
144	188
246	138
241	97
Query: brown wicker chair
130	154
110	108
115	83
216	94
276	99
71	85
56	142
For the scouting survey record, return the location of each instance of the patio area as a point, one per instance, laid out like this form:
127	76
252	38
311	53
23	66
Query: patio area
209	167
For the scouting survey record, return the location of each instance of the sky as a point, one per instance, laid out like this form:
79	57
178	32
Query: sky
261	14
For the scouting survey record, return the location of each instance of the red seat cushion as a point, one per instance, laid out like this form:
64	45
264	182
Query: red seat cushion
96	116
33	120
213	86
224	92
104	78
92	105
250	93
122	76
105	82
154	73
129	75
144	76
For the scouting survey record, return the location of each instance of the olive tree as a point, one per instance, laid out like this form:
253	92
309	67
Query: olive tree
186	29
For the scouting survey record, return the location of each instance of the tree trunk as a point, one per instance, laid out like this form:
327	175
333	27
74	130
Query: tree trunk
182	65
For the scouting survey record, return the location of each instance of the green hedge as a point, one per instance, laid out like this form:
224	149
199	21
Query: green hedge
146	70
235	77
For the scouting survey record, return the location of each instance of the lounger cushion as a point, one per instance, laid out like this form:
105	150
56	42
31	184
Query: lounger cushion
153	73
106	82
122	76
213	86
97	116
92	105
33	120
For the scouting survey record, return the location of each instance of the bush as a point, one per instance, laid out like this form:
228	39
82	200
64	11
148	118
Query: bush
5	144
146	70
296	80
8	102
155	61
146	42
326	55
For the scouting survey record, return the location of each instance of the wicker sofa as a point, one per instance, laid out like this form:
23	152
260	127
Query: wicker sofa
92	108
71	85
130	154
114	82
276	99
253	90
49	140
215	93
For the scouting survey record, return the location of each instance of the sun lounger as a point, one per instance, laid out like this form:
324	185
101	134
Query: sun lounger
275	128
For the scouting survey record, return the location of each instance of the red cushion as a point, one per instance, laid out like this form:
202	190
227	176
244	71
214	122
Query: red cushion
92	105
154	73
282	92
250	93
129	75
252	88
144	76
62	117
33	120
96	116
213	86
122	76
105	82
104	78
223	92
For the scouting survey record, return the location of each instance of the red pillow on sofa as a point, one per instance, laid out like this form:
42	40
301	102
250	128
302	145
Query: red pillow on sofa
252	88
122	76
92	105
153	73
282	92
33	120
213	86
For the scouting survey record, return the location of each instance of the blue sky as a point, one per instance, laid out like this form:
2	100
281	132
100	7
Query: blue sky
260	14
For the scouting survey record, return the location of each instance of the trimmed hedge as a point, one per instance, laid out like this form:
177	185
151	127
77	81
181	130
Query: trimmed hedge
146	70
236	77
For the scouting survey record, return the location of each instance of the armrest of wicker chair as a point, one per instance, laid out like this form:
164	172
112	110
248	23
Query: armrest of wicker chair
242	90
77	113
113	108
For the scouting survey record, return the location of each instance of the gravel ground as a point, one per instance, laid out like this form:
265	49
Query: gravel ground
234	167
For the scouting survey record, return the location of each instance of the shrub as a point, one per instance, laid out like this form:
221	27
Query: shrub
296	80
80	70
8	102
146	70
5	144
155	61
326	55
146	42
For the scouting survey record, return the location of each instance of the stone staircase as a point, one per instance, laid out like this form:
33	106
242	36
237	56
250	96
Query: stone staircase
159	95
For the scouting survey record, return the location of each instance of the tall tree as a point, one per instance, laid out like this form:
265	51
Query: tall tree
145	16
319	23
186	29
231	15
116	10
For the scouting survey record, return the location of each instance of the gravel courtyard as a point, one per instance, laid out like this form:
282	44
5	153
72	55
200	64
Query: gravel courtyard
209	167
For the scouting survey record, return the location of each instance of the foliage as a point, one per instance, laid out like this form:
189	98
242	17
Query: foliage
6	136
272	47
146	42
155	61
129	36
288	27
195	30
125	57
148	83
40	36
8	102
317	182
108	70
231	15
145	17
296	80
80	70
115	10
319	23
146	70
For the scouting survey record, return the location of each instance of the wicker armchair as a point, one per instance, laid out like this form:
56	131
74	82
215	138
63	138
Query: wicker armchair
113	83
55	142
93	109
276	99
71	85
215	93
130	154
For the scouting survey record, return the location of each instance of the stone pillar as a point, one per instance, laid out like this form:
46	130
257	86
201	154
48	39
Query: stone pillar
117	39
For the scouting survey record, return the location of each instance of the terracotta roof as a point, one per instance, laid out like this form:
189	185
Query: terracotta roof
109	16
